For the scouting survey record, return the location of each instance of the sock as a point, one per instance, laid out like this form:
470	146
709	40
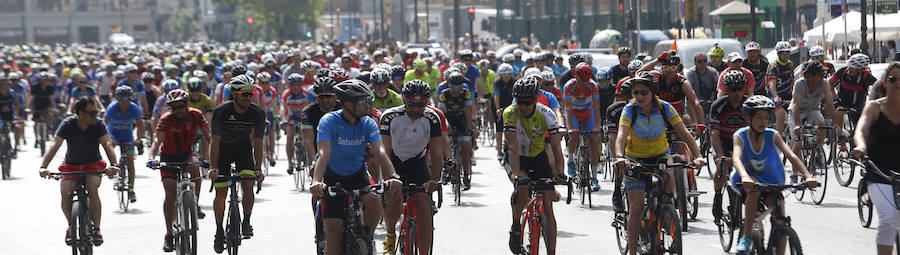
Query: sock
594	171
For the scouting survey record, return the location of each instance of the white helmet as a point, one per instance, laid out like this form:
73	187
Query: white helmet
816	51
858	61
782	46
504	69
532	71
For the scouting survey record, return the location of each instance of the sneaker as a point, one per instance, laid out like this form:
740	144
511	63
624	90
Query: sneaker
595	185
290	170
246	231
68	238
499	156
717	208
515	238
96	237
169	243
571	171
743	245
390	242
467	182
200	214
219	242
131	197
445	177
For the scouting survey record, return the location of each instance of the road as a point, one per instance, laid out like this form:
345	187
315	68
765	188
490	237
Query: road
283	221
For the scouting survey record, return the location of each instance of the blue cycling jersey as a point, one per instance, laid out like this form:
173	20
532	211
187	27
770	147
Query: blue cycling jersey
348	142
121	123
137	89
77	93
764	165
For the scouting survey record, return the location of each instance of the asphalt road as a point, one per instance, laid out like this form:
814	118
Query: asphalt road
283	222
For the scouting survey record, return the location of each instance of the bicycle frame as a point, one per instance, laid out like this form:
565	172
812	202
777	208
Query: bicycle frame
778	220
355	226
533	217
80	213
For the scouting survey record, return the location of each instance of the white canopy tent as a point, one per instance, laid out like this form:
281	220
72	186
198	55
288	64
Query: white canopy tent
887	27
834	29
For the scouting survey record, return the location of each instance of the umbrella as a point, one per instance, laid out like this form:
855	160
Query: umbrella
605	38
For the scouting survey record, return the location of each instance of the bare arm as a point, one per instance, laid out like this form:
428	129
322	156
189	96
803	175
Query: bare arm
556	147
110	154
512	144
869	115
829	102
716	142
796	162
154	147
649	66
140	127
322	161
683	132
309	139
57	142
436	157
214	152
378	148
694	103
204	150
737	157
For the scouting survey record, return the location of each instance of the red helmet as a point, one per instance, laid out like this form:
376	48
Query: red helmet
583	72
339	74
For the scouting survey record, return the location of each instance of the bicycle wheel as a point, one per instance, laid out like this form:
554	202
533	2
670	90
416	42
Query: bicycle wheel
233	229
296	179
705	151
5	156
532	234
189	225
726	231
843	174
820	172
620	221
319	238
582	168
76	228
668	237
864	205
122	184
681	196
793	241
693	199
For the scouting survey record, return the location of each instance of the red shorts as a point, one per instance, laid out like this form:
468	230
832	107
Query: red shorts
89	167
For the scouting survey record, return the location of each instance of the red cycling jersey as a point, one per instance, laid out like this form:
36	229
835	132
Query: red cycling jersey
179	135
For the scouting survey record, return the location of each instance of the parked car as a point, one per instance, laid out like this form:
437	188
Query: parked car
687	48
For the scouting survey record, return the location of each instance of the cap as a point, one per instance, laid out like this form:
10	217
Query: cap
734	56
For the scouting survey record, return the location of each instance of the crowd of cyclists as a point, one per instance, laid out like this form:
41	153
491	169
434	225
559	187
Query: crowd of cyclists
371	115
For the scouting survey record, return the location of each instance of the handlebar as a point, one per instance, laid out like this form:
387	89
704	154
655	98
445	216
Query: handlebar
337	190
780	187
237	178
58	175
541	182
202	163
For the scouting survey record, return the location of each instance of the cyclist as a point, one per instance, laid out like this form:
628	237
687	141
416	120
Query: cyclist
159	106
83	134
851	83
675	89
642	138
875	136
816	53
203	103
342	139
121	117
83	89
703	78
810	91
758	66
177	131
614	112
715	58
398	72
106	82
9	105
232	125
754	144
582	99
42	102
457	104
614	75
779	79
735	62
267	97
502	98
484	66
525	125
420	72
384	97
407	131
726	116
312	113
137	87
292	102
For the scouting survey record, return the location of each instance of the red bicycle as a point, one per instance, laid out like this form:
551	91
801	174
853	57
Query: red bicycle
533	220
409	234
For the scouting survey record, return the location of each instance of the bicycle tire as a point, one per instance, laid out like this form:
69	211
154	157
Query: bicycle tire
6	157
724	226
668	223
189	229
864	205
75	227
681	196
897	244
621	231
793	241
233	229
296	179
843	174
693	200
820	172
319	237
582	170
705	150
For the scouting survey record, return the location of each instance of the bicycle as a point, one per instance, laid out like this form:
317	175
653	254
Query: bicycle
583	177
121	185
356	238
843	153
409	235
80	224
780	226
233	235
454	175
686	191
301	163
186	209
41	135
814	155
732	218
533	220
706	150
6	150
660	225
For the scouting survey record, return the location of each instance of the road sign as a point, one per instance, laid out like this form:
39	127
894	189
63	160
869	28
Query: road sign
886	6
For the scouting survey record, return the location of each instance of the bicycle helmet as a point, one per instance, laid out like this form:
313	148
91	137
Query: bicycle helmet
715	51
624	88
147	77
253	67
416	89
202	75
15	76
456	78
419	64
339	74
169	84
175	96
310	66
266	77
194	84
295	77
365	76
171	67
574	59
587	57
464	53
117	73
350	90
782	46
463	67
752	46
382	65
623	50
238	69
634	65
548	76
380	76
673	59
528	86
324	85
816	51
813	68
758	102
505	69
130	68
518	53
398	71
858	61
241	83
532	71
506	58
583	72
323	72
123	92
647	79
484	64
209	66
734	79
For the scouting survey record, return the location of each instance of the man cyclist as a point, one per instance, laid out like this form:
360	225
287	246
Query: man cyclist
384	97
703	78
502	98
779	79
757	143
726	117
200	101
852	85
342	138
613	113
177	131
642	138
582	99
232	125
736	62
808	93
137	87
313	113
407	132
716	54
816	53
159	106
83	134
293	100
9	108
457	104
42	102
121	117
758	66
525	125
266	96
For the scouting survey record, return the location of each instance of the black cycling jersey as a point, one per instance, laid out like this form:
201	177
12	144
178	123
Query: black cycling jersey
41	96
726	118
84	145
721	67
852	89
455	105
759	70
7	105
235	128
613	113
672	91
504	91
312	113
784	77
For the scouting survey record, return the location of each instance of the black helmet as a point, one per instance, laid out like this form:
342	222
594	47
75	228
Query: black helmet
734	79
352	89
758	102
209	66
623	50
625	89
646	78
528	86
365	76
380	76
324	85
814	67
147	77
398	71
456	78
416	88
323	72
238	69
123	91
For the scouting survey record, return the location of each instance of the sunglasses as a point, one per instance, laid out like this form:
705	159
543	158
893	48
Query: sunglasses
124	99
525	101
383	84
247	94
700	61
892	79
735	89
419	104
670	68
178	106
325	96
397	78
364	102
640	92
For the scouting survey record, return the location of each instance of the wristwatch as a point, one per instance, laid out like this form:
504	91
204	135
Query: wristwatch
395	176
620	155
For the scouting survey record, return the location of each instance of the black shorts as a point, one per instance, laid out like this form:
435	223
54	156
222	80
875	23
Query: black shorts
850	99
727	146
537	167
458	126
172	172
241	156
336	207
414	170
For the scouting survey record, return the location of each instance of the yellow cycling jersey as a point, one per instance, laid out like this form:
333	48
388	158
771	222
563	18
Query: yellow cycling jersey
648	134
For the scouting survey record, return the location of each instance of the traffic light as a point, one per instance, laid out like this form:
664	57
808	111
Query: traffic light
471	10
621	6
308	34
249	20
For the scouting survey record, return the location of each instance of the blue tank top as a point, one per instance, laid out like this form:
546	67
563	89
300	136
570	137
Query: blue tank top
764	165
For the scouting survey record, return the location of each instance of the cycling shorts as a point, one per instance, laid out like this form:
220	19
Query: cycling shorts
414	170
537	167
637	179
241	156
172	172
89	167
336	207
850	99
805	117
458	128
584	124
270	118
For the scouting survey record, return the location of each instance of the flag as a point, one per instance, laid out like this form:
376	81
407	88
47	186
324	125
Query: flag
674	45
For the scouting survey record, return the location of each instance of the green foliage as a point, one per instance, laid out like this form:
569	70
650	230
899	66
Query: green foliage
274	19
183	26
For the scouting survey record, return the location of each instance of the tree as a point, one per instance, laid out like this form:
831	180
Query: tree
274	19
183	26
